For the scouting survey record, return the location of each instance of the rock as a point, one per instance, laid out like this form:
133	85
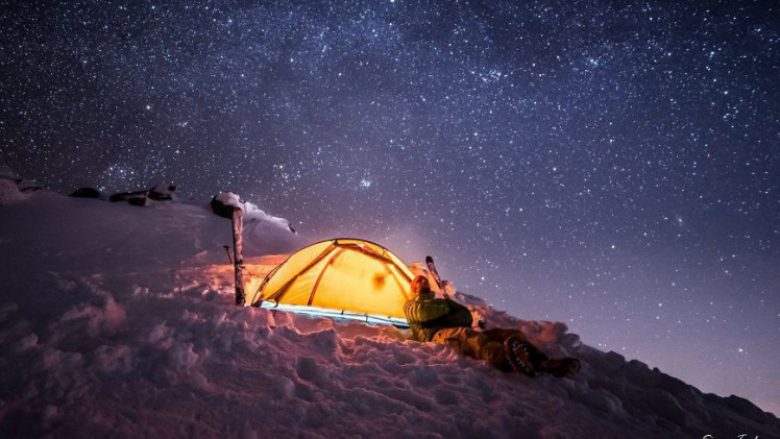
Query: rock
162	192
126	196
141	201
137	198
85	192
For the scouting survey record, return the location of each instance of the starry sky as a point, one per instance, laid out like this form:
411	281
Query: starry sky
615	167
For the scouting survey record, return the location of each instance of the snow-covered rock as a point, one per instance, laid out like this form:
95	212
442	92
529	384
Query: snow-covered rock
9	191
86	192
162	192
118	321
9	186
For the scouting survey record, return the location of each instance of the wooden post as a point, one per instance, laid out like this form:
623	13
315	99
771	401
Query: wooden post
238	254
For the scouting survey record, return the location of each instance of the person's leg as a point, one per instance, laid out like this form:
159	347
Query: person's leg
494	354
475	345
487	349
506	350
526	358
452	337
501	335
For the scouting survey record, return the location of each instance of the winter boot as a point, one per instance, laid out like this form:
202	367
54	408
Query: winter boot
518	352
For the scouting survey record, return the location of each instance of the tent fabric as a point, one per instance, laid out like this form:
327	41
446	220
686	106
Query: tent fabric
346	275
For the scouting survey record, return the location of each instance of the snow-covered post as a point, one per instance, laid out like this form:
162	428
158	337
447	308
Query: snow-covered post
228	205
238	254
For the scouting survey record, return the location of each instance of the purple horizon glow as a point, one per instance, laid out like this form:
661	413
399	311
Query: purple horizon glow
612	167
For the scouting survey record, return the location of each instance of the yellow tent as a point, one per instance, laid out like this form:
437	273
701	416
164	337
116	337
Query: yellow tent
346	277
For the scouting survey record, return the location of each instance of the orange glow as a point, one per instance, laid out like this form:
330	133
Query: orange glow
220	277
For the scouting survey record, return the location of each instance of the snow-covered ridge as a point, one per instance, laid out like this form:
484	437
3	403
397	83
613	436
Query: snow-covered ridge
118	320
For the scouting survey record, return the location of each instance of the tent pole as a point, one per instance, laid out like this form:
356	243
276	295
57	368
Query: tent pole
238	254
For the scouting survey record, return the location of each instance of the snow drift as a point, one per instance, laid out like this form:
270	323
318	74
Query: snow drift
118	321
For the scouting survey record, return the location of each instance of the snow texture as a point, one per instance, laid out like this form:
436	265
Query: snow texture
118	321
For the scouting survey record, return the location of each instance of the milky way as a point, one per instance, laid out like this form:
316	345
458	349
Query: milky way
613	167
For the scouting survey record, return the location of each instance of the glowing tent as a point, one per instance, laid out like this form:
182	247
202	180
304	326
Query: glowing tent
348	278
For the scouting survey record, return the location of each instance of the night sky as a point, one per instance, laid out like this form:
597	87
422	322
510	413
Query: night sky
613	167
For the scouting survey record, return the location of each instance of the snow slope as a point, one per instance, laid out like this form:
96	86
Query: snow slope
118	321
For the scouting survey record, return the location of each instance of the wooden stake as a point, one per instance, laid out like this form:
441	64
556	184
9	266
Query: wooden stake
238	254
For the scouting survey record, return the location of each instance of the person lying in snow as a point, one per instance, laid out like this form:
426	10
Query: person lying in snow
447	322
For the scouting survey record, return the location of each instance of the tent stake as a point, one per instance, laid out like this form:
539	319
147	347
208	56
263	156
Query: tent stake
227	250
238	254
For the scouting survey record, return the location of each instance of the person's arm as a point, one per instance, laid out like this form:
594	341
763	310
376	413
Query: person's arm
458	315
425	312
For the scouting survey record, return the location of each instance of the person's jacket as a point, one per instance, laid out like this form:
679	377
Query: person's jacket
425	315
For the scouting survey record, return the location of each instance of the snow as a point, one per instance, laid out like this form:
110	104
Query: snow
9	191
118	320
229	199
257	223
